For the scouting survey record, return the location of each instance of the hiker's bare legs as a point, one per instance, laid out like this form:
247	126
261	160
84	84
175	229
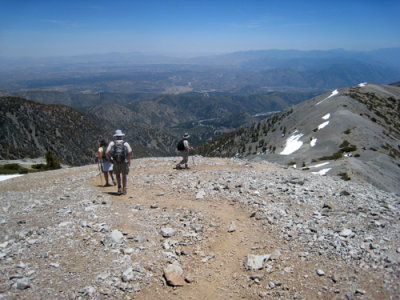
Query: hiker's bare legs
106	177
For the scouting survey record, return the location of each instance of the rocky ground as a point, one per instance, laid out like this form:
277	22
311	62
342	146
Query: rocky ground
223	229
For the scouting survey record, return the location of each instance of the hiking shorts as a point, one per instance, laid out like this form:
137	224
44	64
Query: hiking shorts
106	166
121	168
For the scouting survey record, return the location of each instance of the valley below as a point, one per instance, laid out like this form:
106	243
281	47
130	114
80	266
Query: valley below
224	229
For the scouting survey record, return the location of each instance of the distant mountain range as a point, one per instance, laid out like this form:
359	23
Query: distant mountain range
153	127
353	133
240	72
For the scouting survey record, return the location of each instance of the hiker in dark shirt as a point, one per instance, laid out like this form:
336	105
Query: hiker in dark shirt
184	148
105	163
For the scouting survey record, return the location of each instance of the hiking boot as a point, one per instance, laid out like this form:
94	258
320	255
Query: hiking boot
119	190
124	191
107	184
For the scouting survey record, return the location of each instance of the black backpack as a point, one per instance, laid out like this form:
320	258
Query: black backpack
118	152
180	146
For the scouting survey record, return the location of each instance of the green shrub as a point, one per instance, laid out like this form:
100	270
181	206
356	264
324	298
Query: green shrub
9	169
336	155
39	167
348	131
344	176
52	162
23	171
347	147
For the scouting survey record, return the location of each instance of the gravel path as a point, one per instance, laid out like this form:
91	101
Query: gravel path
226	228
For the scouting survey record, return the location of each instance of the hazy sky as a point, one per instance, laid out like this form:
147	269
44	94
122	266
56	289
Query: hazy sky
53	28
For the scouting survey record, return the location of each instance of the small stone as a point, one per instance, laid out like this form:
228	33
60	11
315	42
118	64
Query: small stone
173	274
276	254
346	233
168	232
256	262
232	227
189	279
117	236
360	292
23	284
54	265
200	194
127	275
320	272
127	251
196	227
256	276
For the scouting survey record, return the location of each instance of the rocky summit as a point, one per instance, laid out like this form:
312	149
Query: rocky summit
224	229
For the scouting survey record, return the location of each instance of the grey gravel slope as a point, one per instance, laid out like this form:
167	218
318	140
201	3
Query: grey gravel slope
62	237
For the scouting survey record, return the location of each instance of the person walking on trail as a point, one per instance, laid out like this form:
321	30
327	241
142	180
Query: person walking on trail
119	152
105	163
184	148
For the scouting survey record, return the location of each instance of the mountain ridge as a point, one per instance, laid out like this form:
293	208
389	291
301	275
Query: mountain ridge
362	122
30	129
125	73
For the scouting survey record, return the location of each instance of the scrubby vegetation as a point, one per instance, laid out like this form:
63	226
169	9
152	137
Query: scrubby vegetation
344	147
52	163
9	169
344	176
383	111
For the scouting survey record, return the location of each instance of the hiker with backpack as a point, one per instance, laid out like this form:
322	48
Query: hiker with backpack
119	152
184	147
105	163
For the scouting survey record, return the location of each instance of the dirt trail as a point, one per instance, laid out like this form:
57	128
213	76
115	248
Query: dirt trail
216	263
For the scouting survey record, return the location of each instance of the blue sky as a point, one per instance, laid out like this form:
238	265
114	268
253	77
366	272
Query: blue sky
185	27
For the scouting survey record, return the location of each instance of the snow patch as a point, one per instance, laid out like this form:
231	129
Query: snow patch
327	116
362	84
5	177
320	165
323	125
313	142
322	172
334	93
292	144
